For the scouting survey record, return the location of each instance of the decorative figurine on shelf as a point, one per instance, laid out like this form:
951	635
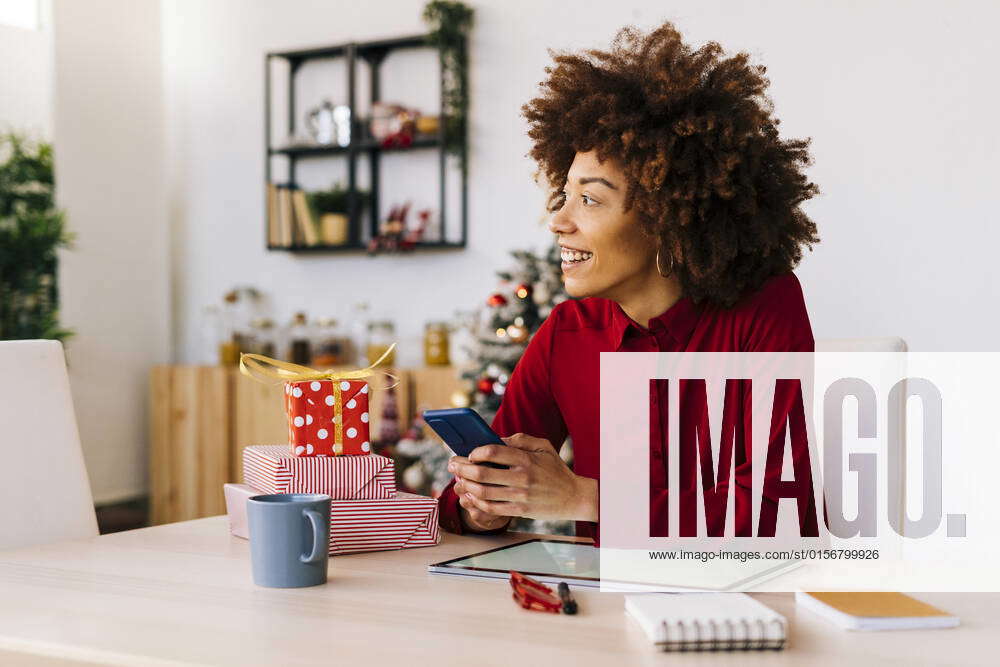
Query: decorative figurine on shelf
393	125
415	235
393	234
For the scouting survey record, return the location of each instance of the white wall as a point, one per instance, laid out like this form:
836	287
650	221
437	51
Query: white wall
214	56
109	138
26	79
893	93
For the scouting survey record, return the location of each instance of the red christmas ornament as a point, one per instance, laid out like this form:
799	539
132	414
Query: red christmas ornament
485	385
496	300
523	291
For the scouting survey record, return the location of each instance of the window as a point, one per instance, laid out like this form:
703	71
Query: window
20	14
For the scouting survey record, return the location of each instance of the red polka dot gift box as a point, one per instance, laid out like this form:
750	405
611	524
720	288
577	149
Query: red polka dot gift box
327	409
328	417
272	469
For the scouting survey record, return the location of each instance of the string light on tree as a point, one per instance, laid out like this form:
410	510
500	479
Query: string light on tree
460	399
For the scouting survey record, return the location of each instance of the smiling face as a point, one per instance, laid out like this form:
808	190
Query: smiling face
604	251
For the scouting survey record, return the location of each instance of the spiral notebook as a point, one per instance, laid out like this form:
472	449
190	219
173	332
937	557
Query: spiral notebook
707	621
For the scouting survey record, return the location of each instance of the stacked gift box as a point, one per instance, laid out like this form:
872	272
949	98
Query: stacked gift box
329	453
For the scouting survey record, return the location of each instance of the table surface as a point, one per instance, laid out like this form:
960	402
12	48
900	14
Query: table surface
182	593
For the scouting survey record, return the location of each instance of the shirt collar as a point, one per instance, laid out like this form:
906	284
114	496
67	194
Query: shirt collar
678	320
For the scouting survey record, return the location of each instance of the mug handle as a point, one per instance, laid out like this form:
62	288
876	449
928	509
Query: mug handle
320	541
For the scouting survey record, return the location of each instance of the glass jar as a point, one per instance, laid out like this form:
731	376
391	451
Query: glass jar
242	306
299	346
229	343
264	337
381	334
329	348
436	344
356	335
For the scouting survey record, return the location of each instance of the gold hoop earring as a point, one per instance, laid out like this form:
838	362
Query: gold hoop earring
659	270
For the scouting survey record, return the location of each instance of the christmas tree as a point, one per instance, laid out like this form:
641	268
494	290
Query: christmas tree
526	295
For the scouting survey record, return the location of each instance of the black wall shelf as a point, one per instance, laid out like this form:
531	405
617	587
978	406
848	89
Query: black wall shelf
362	144
367	145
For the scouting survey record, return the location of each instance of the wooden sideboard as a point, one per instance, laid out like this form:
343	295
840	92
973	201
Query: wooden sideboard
201	418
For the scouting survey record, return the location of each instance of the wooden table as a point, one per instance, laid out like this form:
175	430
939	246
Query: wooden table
182	593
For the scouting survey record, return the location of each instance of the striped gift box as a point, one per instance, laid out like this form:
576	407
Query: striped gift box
272	469
402	522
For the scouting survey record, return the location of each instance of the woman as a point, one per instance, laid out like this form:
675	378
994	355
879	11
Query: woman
676	206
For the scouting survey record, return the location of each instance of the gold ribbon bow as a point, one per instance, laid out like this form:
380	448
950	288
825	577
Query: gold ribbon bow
271	371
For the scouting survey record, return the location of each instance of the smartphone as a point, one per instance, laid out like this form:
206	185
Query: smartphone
462	429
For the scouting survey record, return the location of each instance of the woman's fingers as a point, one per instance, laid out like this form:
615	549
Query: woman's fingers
496	508
502	454
491	492
485	475
478	519
528	443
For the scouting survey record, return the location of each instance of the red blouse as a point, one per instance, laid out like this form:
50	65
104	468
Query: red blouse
553	392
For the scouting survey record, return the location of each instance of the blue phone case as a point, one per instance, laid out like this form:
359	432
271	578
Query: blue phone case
462	429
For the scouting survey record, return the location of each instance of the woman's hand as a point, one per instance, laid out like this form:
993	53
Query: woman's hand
474	518
538	484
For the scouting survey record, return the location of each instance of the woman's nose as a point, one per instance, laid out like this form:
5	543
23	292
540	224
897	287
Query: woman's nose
560	222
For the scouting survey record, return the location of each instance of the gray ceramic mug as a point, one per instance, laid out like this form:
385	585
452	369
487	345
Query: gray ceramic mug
289	539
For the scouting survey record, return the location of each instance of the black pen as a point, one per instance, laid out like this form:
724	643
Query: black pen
568	603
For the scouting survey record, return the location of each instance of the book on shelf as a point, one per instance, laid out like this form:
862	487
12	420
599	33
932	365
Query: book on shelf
304	220
273	220
285	217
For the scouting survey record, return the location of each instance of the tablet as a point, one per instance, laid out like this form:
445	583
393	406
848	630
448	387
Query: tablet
548	561
552	561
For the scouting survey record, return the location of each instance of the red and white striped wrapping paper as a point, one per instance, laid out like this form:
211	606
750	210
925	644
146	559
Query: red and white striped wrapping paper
272	469
405	521
236	507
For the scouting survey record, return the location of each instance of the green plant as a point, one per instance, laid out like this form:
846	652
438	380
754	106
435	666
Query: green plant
335	199
31	231
450	22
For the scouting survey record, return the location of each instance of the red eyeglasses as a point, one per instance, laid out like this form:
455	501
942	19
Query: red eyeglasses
536	596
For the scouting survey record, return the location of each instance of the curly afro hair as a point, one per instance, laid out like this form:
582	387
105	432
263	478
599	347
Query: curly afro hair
694	135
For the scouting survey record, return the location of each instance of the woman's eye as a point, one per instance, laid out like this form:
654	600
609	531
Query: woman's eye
588	201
